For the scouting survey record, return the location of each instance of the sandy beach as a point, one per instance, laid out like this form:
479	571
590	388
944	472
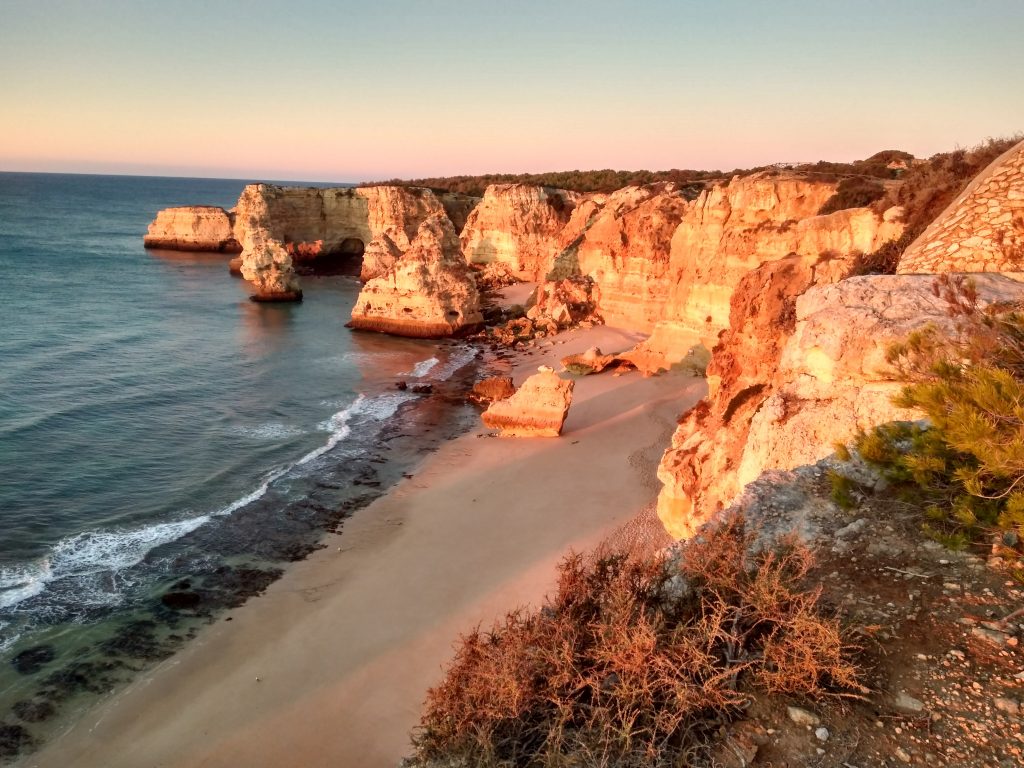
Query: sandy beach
330	666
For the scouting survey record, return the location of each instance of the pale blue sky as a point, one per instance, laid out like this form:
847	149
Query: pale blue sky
355	90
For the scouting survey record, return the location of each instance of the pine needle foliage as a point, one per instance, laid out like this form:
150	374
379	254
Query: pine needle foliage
635	661
967	462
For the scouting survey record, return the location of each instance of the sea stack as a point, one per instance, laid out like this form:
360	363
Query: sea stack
193	228
427	293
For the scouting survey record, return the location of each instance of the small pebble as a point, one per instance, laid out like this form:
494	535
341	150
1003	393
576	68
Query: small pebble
821	734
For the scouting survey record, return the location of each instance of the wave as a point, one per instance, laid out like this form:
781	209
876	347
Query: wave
422	368
106	553
273	430
460	358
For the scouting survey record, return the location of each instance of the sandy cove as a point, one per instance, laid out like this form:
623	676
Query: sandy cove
330	666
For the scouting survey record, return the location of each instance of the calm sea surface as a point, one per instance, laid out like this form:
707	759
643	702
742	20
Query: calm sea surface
161	433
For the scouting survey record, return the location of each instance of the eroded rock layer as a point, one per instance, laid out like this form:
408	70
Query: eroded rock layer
734	228
428	293
537	409
518	225
783	393
193	228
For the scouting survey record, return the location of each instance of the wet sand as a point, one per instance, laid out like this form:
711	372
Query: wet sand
330	666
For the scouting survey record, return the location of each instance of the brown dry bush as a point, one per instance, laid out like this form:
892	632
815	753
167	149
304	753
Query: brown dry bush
635	661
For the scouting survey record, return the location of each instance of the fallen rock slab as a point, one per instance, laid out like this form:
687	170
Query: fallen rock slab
537	409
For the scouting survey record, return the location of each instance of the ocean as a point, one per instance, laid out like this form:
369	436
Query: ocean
166	445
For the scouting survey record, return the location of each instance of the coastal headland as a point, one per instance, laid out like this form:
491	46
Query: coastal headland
721	340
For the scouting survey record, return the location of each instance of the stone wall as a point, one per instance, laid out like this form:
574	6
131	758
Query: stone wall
982	230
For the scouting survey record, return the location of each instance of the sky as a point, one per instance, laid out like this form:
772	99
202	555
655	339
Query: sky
332	90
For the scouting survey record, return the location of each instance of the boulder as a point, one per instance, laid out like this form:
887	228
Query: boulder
591	361
428	293
492	389
193	228
537	409
669	343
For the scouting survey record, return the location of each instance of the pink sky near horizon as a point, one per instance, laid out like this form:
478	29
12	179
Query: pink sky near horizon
410	93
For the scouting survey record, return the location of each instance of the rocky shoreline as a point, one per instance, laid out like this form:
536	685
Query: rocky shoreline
749	266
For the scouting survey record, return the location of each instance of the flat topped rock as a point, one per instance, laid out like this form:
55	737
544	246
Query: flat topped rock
537	409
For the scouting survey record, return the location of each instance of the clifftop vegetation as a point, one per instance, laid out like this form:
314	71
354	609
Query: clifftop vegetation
608	180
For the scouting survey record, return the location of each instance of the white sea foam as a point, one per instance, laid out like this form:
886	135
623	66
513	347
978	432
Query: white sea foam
96	558
5	640
460	357
422	368
273	430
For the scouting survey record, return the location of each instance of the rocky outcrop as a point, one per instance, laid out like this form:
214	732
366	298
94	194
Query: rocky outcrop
492	389
783	396
982	230
698	471
428	293
267	265
518	225
734	228
655	254
193	228
537	409
669	343
361	229
626	251
394	215
591	361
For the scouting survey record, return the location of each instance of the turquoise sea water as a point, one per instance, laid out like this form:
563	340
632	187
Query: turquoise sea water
161	433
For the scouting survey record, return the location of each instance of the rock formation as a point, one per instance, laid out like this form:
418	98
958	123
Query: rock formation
428	293
518	225
537	409
669	343
591	361
794	375
626	251
267	265
492	389
193	228
656	255
734	228
982	230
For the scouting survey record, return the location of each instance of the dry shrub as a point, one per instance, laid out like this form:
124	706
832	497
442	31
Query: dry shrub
634	661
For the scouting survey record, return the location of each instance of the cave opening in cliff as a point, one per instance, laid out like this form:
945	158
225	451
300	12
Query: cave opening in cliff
344	259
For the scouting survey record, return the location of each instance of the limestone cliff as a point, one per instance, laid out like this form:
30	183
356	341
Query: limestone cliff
626	251
982	230
518	225
734	228
193	228
802	368
656	255
428	293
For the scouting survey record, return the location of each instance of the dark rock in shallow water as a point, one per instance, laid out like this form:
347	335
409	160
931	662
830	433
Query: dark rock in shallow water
31	660
34	711
13	739
81	677
137	640
401	385
181	600
423	389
